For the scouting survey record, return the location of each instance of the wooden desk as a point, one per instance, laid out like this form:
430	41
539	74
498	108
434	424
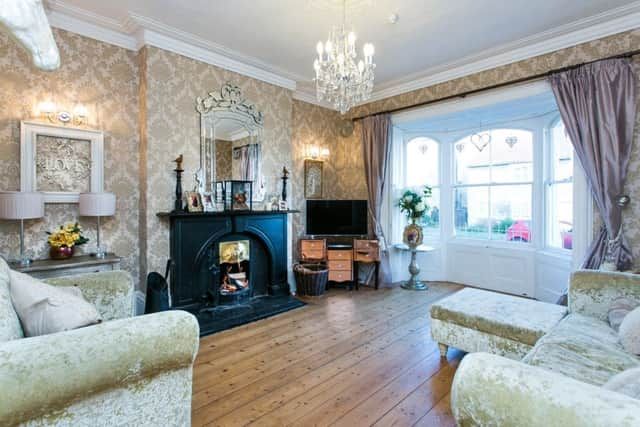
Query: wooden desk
48	268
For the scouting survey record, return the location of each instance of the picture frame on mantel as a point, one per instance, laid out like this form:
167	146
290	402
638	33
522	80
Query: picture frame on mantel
313	179
60	161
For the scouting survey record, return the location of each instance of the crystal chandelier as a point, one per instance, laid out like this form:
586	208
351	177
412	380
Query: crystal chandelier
341	79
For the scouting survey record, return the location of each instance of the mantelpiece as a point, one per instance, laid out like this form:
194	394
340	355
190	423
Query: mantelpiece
222	291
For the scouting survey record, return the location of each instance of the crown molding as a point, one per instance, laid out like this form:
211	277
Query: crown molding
135	31
310	98
595	27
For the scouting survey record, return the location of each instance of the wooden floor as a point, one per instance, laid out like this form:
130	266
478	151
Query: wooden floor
347	359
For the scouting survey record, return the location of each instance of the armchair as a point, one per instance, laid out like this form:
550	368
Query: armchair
124	371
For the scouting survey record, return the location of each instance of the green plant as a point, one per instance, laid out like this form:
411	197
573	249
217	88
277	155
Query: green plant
414	205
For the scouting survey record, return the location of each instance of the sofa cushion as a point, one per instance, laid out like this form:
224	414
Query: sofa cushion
44	309
514	318
629	332
583	348
626	382
618	310
10	328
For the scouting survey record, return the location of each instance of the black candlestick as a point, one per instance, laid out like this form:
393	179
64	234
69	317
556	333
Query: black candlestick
285	177
178	170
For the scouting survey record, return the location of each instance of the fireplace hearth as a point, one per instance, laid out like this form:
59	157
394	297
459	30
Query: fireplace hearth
229	268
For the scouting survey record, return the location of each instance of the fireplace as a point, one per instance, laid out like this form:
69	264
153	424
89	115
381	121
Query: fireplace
230	268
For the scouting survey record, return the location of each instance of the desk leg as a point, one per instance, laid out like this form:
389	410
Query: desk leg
377	273
355	275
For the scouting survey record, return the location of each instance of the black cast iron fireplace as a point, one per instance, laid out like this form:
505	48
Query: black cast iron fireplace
229	268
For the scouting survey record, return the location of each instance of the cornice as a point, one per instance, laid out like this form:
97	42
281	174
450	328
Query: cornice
135	31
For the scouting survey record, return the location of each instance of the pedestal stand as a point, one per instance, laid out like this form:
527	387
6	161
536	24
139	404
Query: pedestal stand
414	270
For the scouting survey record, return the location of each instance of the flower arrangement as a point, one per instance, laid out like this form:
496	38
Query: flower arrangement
68	235
413	204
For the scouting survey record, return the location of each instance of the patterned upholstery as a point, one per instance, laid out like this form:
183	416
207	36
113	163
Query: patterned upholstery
583	348
127	371
515	319
559	381
10	328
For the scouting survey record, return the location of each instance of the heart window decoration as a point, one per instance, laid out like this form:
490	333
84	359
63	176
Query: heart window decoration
480	140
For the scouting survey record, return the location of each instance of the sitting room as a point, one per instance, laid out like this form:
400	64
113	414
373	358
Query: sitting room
319	213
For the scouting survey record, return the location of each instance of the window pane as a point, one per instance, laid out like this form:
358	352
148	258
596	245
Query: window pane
562	153
472	161
431	221
511	155
560	215
471	213
511	213
422	162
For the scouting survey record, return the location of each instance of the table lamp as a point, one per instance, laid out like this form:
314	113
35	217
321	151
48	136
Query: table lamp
98	205
21	205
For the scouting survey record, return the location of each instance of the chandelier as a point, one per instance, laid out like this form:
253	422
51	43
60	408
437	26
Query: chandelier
341	79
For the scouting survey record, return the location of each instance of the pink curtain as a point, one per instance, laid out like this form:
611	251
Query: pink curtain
597	104
376	148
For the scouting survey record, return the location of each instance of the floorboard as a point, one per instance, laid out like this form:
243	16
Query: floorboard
349	358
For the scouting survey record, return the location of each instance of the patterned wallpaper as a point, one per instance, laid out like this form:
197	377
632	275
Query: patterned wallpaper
172	127
145	104
104	79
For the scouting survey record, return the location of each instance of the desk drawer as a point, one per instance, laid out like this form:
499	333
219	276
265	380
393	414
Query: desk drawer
340	255
340	266
340	276
366	256
366	245
313	254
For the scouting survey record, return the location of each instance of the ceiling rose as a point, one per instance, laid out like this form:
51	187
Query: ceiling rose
341	79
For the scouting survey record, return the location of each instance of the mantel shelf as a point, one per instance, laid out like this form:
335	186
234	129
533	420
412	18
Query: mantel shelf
175	214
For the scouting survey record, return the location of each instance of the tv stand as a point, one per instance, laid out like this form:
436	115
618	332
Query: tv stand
342	257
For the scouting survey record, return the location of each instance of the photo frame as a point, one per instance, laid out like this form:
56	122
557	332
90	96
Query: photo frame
60	161
313	179
194	201
208	202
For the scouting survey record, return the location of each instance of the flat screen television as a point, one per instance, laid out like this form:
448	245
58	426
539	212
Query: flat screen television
337	217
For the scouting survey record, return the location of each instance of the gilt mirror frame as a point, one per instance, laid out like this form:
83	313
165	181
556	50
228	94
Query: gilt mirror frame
29	133
226	104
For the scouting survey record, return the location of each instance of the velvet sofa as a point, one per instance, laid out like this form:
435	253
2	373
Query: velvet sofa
124	371
559	382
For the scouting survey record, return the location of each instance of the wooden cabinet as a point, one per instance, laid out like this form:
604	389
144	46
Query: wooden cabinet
313	250
340	262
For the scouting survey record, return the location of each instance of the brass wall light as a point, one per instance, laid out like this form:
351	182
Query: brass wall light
78	117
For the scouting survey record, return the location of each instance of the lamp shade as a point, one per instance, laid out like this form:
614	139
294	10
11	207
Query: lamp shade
97	204
21	205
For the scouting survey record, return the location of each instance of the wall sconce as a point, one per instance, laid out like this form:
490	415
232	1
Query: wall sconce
315	152
49	110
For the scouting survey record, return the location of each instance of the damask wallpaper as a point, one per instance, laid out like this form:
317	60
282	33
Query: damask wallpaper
172	127
145	104
104	79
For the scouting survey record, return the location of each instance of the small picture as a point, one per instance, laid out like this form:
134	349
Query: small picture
194	202
283	205
240	200
207	202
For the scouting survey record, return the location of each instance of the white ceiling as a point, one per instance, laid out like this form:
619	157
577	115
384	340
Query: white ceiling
277	38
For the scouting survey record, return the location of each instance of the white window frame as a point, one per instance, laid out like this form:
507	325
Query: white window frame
491	184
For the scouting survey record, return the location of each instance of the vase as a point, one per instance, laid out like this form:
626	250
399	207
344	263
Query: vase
62	252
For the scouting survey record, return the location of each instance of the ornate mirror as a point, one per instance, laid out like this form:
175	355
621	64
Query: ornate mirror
230	140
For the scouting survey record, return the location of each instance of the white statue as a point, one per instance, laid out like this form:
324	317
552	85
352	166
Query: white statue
27	22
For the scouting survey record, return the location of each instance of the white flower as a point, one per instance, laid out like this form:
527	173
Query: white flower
420	207
408	198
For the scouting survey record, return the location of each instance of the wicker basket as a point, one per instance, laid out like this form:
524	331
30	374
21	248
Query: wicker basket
311	279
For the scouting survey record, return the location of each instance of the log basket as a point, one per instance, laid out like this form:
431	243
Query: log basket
311	279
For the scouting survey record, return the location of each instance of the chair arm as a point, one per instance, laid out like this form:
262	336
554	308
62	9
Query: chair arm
110	291
591	291
44	374
490	390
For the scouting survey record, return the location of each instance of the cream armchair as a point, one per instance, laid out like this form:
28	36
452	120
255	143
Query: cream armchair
125	371
559	382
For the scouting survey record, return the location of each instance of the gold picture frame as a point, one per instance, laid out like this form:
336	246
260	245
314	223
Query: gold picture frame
194	201
313	179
